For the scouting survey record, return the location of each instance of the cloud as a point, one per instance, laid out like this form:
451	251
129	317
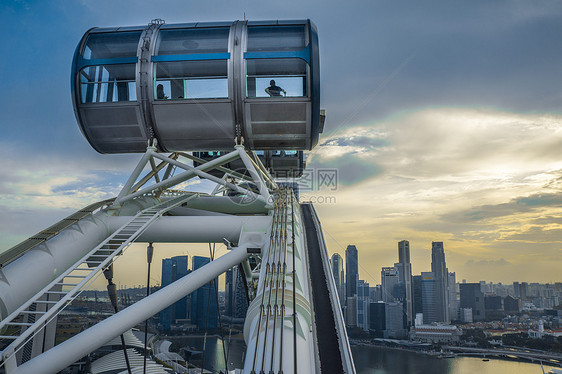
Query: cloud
488	263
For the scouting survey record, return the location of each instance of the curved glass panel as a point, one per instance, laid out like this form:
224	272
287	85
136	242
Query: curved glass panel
191	80
108	83
187	41
112	45
276	38
276	78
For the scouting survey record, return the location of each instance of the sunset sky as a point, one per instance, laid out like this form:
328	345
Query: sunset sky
444	123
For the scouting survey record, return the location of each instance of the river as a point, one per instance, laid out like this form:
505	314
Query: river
368	360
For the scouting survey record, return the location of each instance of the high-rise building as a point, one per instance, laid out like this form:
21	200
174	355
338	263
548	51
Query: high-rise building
453	300
404	268
389	283
441	278
204	307
339	276
351	311
173	269
236	302
377	318
351	270
473	298
363	305
429	307
417	294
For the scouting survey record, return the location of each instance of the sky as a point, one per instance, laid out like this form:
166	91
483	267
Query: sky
443	123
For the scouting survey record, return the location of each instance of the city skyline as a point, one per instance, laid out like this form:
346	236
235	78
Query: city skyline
443	123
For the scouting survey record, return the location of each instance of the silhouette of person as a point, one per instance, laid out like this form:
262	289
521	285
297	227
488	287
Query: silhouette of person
160	92
274	90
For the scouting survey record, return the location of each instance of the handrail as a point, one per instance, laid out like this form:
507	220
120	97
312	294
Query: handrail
19	249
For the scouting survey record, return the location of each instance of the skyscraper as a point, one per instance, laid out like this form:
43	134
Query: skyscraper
236	303
204	308
363	305
351	271
441	278
453	301
429	306
338	273
173	269
389	283
404	268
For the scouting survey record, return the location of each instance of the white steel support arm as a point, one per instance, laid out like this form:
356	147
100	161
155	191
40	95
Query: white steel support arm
96	336
255	175
198	172
190	173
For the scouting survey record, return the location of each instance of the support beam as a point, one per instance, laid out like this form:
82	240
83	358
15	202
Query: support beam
96	336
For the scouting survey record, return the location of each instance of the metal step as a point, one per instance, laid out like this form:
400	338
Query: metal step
114	245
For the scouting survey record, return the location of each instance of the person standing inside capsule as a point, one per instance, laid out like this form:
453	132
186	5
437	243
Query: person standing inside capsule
274	90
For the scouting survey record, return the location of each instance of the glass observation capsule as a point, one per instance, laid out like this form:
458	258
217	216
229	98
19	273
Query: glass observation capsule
198	86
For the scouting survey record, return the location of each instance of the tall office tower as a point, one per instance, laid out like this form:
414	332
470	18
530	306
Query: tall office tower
453	301
405	278
236	302
204	307
351	311
429	307
389	283
417	294
473	298
351	271
363	305
338	273
173	269
441	277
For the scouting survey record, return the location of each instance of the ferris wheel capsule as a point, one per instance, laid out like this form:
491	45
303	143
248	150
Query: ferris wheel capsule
198	86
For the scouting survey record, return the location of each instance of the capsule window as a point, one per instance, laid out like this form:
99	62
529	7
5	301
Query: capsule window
276	78
108	83
187	41
275	38
191	80
111	45
284	153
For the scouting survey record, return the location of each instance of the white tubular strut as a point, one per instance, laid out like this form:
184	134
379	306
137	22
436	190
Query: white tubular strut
80	345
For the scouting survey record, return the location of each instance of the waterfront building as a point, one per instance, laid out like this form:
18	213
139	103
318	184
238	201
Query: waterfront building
363	305
473	298
351	311
436	333
429	307
204	307
386	320
339	276
377	318
173	269
441	277
394	313
404	268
